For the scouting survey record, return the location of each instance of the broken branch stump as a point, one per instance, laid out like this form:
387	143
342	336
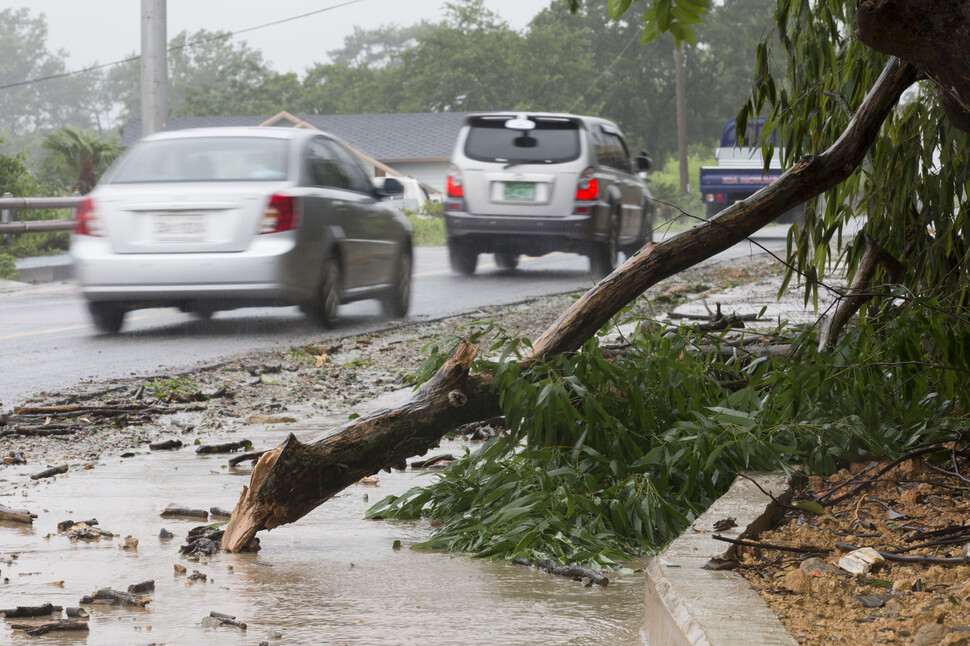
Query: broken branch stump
294	478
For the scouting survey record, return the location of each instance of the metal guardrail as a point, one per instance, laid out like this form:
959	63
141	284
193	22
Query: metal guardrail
10	205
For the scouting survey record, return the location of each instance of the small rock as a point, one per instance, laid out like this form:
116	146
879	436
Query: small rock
955	639
816	564
902	585
165	534
930	635
873	600
798	582
861	561
131	543
180	569
210	622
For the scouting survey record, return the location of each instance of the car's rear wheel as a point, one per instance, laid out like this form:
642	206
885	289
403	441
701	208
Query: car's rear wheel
107	317
506	260
398	299
463	257
323	309
604	256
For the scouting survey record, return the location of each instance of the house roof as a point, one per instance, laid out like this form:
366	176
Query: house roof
423	136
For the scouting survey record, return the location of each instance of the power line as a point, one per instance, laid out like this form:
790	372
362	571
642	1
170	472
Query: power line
202	41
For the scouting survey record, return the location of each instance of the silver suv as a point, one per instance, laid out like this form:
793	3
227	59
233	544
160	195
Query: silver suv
537	183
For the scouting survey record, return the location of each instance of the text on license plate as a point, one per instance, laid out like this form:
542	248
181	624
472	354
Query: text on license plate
179	228
520	191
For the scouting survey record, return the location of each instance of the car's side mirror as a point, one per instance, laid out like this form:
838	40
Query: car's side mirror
389	187
643	162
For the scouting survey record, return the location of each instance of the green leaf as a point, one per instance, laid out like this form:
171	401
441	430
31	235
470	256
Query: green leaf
811	506
618	7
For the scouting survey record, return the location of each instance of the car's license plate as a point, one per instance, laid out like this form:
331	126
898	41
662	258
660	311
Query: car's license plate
520	191
189	227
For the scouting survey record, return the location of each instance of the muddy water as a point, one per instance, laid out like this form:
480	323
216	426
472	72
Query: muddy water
331	578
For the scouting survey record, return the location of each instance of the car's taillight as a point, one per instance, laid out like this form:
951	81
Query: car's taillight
282	214
87	219
454	186
588	188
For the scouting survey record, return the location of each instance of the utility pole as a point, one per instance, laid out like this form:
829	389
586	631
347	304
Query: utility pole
154	67
681	115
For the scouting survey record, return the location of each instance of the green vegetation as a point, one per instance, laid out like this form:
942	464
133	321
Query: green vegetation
427	231
605	459
180	388
673	205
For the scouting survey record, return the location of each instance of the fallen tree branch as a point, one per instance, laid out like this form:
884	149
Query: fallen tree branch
905	558
859	292
294	478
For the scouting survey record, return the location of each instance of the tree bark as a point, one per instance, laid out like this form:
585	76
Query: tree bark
931	35
293	479
859	292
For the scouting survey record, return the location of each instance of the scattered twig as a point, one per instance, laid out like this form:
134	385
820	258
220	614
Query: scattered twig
107	596
902	558
168	512
252	455
53	471
30	611
166	445
868	482
17	515
228	447
768	546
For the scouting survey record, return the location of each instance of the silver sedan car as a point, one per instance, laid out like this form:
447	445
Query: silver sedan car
219	218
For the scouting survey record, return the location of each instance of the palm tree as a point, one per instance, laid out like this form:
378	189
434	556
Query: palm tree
78	156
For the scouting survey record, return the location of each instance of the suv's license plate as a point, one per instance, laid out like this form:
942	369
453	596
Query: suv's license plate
179	228
520	191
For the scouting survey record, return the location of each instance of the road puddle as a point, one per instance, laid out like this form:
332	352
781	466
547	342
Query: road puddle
331	578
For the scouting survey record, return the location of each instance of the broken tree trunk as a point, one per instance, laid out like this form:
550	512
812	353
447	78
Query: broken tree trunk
294	478
291	480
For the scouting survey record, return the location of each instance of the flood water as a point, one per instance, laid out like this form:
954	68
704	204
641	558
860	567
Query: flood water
331	578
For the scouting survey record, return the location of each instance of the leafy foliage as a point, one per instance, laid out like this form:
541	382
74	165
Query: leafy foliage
70	150
607	458
17	180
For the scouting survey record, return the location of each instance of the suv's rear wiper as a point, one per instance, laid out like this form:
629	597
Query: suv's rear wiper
519	162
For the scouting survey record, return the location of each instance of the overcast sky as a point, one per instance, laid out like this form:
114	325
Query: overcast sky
109	30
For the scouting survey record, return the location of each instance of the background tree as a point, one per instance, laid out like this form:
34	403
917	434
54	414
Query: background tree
28	104
76	158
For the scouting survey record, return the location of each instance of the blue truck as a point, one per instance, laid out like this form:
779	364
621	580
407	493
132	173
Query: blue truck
740	171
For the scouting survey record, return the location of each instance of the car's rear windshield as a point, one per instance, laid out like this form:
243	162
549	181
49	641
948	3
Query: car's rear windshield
203	159
552	141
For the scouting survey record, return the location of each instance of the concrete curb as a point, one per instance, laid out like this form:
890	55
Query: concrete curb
45	269
688	605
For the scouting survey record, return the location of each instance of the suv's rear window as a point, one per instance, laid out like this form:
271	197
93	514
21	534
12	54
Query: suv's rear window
552	141
203	159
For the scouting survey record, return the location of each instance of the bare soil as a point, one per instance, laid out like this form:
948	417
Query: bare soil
915	514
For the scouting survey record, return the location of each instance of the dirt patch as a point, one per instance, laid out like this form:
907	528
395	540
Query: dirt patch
914	515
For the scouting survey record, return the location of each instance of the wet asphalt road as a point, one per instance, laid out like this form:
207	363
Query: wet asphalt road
48	344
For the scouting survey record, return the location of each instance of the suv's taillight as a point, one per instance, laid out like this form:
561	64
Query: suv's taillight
588	188
282	214
87	219
454	186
